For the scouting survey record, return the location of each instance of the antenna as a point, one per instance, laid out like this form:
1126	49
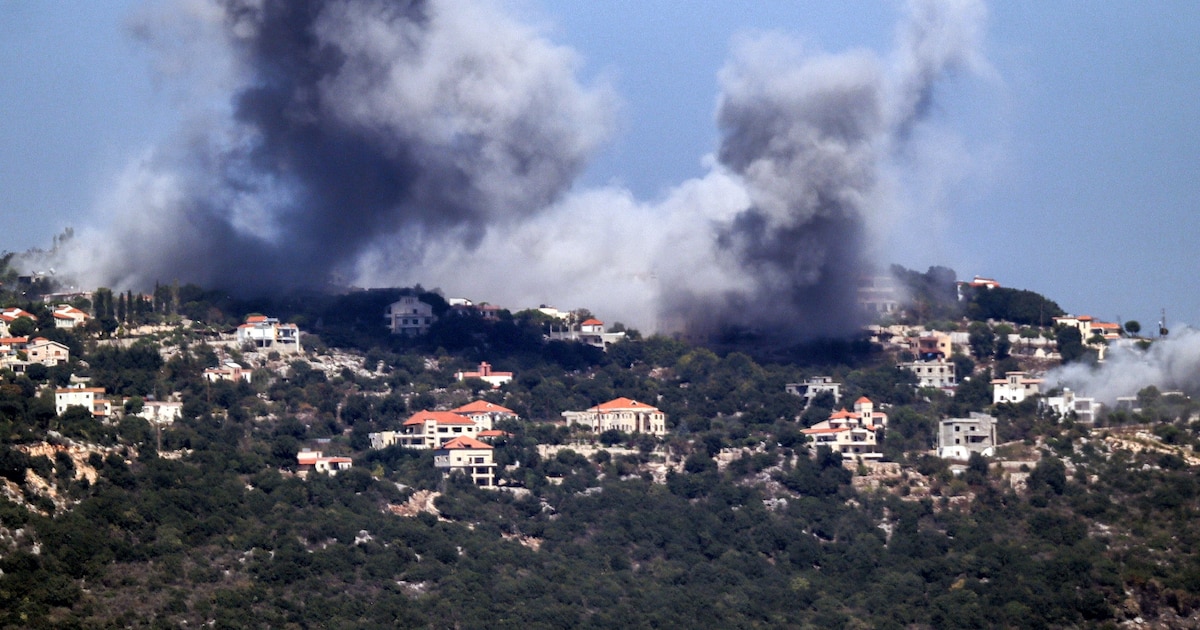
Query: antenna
1162	324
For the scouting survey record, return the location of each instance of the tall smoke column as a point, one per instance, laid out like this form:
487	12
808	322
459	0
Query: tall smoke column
1168	364
808	136
354	126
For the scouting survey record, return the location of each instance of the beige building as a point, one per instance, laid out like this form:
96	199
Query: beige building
939	374
485	414
67	316
229	371
316	461
427	429
851	433
469	456
622	414
48	353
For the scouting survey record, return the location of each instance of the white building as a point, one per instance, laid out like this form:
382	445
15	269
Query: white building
591	332
409	316
91	398
314	460
851	433
959	437
469	456
10	315
487	374
622	414
266	333
427	429
161	412
1014	388
1085	409
485	414
813	387
67	316
939	374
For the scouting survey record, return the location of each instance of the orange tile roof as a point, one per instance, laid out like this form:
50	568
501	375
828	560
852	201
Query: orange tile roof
862	399
440	417
824	430
622	403
463	442
256	318
480	406
11	340
592	322
494	433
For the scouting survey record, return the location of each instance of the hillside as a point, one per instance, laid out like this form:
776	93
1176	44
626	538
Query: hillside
734	518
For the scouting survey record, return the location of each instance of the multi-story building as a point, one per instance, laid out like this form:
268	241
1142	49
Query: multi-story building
91	398
1085	409
229	371
409	316
266	333
1015	387
485	414
427	429
959	437
939	373
622	414
67	316
813	387
851	433
48	353
469	456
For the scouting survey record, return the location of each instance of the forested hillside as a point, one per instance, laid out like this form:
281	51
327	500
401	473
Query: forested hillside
733	519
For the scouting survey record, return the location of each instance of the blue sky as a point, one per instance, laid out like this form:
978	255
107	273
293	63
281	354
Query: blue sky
1082	147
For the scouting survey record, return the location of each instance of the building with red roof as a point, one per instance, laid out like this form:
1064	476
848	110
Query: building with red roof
487	374
316	461
622	414
485	414
67	316
851	433
427	429
267	333
468	456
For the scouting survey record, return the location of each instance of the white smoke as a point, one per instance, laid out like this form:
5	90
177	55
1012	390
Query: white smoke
1169	364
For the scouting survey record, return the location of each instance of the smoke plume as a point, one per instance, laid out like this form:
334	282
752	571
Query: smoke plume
437	141
1169	364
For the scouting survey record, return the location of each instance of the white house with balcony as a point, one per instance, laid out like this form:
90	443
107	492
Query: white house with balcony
851	433
622	414
815	386
470	457
427	429
91	398
267	333
67	316
1068	402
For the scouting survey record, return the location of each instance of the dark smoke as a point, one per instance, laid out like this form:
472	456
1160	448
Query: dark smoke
358	125
434	142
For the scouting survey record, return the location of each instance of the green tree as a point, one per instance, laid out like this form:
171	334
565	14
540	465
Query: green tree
1133	327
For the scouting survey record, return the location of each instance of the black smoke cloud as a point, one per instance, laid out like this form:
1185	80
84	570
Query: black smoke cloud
436	142
353	125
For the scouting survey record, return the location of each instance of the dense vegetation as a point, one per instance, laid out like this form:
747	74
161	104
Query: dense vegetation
206	522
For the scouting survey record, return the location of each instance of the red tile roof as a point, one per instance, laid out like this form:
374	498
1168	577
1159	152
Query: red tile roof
463	442
621	404
481	406
440	417
592	322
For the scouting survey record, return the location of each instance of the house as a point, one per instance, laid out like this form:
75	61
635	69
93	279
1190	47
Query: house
161	412
229	371
813	387
1089	326
91	398
48	353
9	349
959	437
852	433
67	316
266	333
409	316
622	414
1014	388
10	315
316	461
485	414
1085	409
932	345
938	374
485	373
878	295
978	282
425	430
591	332
469	456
